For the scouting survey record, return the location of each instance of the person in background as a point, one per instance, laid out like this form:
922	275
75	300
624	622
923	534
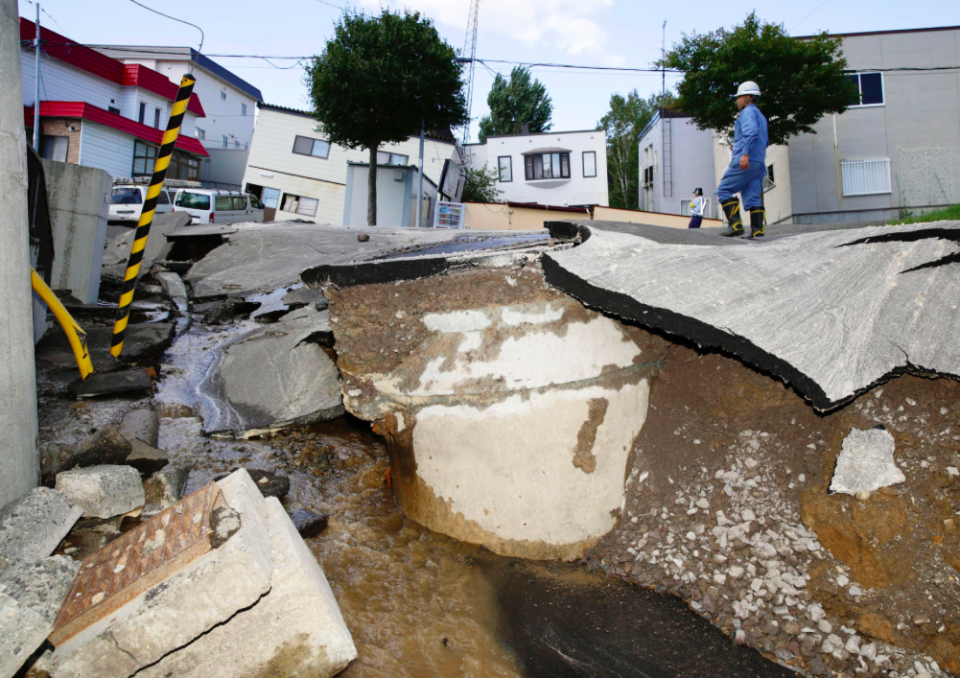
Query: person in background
747	167
696	208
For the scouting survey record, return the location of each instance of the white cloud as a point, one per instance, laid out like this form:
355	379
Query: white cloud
570	26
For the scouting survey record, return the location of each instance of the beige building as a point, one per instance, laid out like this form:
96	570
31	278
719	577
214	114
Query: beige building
298	174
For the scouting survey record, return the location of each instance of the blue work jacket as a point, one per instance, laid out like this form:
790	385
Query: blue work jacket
750	136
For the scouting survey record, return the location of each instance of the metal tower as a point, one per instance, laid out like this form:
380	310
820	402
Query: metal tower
470	52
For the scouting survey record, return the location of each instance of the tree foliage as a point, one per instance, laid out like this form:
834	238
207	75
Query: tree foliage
800	80
515	102
380	78
481	186
623	124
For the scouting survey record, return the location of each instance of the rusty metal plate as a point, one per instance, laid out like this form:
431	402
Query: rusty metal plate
137	561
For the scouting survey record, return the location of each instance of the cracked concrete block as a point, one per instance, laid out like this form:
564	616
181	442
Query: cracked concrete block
33	525
179	583
174	288
295	630
164	489
103	491
141	425
30	596
866	463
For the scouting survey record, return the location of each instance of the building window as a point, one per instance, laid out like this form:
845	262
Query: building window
506	168
589	164
648	176
183	166
300	205
156	118
317	148
246	145
143	113
547	166
236	143
113	109
223	96
386	158
866	177
143	157
54	148
224	140
869	89
243	109
270	197
769	181
201	134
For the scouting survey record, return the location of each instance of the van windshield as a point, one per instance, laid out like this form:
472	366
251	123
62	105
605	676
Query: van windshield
196	201
126	196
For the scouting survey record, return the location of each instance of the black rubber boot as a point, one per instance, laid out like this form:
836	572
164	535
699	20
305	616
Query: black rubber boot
756	223
732	209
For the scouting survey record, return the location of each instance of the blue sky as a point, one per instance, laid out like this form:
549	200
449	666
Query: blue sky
588	32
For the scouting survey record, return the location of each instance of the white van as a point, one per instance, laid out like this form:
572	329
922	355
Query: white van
126	204
213	206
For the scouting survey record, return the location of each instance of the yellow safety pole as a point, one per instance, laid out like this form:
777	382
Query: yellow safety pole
146	216
76	336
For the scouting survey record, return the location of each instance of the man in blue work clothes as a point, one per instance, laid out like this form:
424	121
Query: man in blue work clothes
748	166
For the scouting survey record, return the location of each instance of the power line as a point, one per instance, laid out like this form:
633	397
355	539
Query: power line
173	18
809	15
328	4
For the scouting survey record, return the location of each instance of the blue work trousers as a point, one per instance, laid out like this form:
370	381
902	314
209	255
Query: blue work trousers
748	183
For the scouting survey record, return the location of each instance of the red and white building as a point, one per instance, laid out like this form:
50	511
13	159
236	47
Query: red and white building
100	112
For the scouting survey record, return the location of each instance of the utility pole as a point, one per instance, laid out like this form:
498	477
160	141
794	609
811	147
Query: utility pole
470	52
663	65
420	190
36	87
19	460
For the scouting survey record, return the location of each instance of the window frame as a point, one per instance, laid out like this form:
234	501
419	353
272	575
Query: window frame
279	195
223	95
390	159
150	159
583	160
143	112
243	110
883	89
500	168
769	179
313	146
530	166
201	134
156	117
181	196
299	200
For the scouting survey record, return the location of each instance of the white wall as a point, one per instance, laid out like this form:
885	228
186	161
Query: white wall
222	116
106	148
577	190
60	82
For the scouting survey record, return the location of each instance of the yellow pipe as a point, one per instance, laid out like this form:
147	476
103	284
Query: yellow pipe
69	325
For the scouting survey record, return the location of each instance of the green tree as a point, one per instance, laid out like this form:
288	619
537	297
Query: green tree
801	80
623	124
516	102
379	79
480	186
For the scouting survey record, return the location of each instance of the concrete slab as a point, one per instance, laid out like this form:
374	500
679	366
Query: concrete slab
866	463
106	446
295	630
33	525
832	313
273	377
111	383
264	257
41	585
141	426
22	631
142	341
118	249
174	288
163	584
103	491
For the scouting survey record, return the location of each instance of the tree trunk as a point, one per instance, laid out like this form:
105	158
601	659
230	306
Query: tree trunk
372	187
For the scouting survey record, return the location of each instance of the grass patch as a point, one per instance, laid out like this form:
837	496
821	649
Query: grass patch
951	213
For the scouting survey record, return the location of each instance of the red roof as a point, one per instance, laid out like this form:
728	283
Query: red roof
85	111
91	61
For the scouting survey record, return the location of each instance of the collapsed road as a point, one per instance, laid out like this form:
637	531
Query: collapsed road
522	412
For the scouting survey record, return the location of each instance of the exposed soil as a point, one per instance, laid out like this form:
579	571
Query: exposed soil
727	506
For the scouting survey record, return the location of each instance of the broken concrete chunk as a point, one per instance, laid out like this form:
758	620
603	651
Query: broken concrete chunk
295	630
33	525
111	383
30	597
161	585
866	463
305	296
164	489
141	341
143	425
230	309
103	491
146	459
273	377
224	523
308	523
106	446
174	288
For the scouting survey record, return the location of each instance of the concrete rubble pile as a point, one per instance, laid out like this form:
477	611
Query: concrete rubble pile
218	584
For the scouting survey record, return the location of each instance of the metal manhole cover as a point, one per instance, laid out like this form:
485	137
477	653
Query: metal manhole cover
137	561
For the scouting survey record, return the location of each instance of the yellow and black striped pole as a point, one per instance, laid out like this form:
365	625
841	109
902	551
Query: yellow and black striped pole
146	216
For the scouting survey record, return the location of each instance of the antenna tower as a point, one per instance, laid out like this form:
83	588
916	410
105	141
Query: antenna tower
470	52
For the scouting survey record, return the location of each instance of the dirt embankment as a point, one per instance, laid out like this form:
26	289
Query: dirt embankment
728	507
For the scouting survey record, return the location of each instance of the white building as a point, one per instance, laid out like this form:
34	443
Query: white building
298	174
549	168
99	112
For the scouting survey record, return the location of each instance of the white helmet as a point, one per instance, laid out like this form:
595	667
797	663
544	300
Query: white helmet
749	88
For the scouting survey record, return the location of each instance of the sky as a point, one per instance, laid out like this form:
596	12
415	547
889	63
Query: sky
584	32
